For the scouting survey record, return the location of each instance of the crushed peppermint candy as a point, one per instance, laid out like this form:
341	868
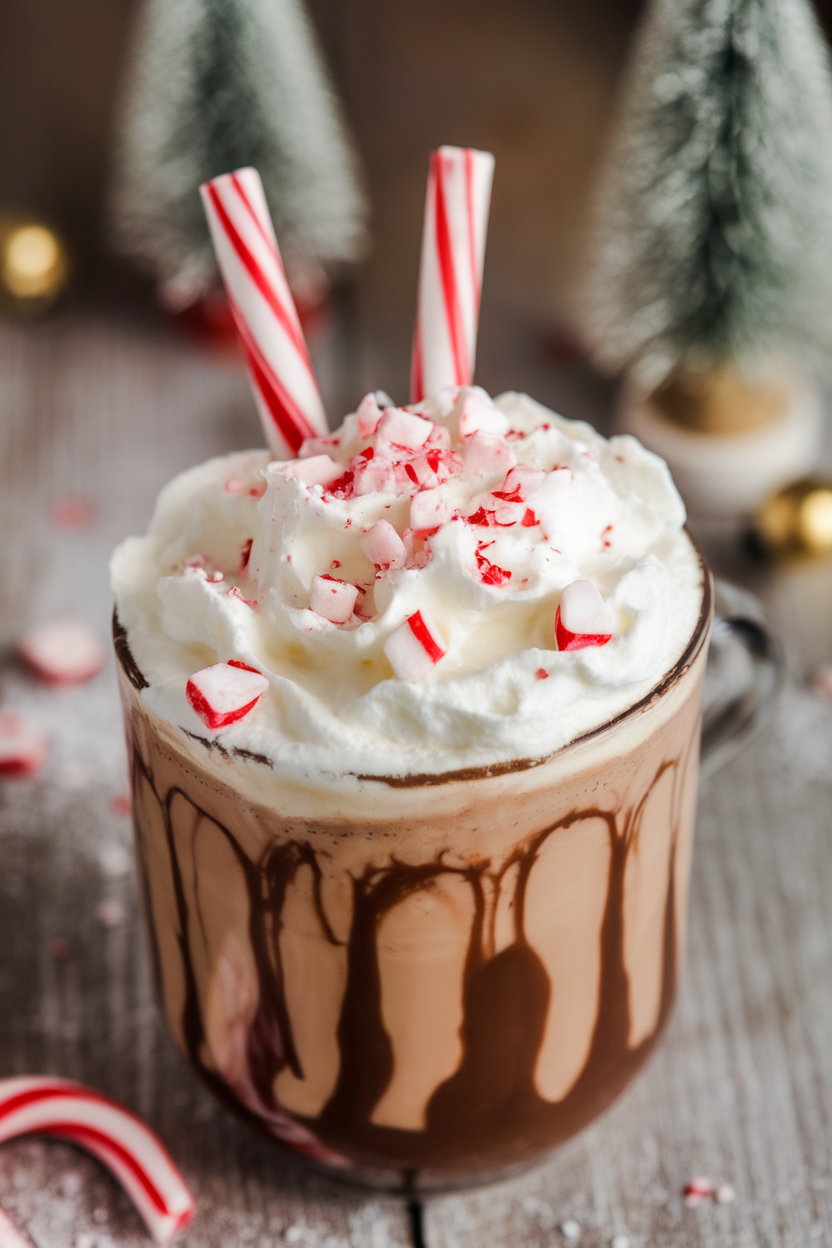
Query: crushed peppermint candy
383	547
701	1190
822	680
60	949
73	512
225	692
582	618
415	647
332	599
64	652
110	914
23	747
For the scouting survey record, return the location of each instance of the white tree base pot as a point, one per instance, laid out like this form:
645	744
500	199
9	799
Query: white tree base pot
726	477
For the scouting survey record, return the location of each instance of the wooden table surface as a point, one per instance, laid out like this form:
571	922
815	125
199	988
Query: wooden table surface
102	406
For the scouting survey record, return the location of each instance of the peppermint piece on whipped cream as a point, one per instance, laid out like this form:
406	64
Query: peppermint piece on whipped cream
582	618
415	647
473	514
224	693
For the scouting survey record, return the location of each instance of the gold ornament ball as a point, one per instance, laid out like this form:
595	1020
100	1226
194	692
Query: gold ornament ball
798	518
34	265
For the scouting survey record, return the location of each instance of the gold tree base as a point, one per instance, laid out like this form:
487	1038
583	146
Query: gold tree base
729	440
723	400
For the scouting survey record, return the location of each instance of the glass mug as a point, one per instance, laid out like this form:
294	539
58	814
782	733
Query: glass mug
428	981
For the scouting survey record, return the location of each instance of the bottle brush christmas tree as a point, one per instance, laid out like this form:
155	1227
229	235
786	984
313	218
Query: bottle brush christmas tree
713	239
214	85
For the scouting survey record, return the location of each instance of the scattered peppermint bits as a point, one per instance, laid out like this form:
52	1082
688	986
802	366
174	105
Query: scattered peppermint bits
480	416
236	592
428	511
65	652
73	512
486	454
60	949
541	674
415	647
23	747
319	470
490	573
332	599
697	1191
582	618
822	681
224	693
383	547
110	914
402	430
520	482
701	1190
368	416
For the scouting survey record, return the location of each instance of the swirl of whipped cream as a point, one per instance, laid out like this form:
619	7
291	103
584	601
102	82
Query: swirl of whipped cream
498	505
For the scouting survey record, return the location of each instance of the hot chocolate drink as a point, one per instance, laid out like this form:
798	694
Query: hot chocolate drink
417	889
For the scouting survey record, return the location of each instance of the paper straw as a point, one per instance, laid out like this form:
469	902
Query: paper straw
279	367
450	276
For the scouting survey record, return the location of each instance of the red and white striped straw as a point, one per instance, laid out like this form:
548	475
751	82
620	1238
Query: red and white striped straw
279	367
450	277
125	1144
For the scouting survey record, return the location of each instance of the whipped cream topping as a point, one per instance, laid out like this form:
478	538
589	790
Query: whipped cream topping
492	507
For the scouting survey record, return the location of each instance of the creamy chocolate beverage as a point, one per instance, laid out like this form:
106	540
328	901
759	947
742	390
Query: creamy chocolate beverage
415	723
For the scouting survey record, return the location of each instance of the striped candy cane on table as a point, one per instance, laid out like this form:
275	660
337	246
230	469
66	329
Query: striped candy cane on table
285	390
450	275
126	1145
10	1236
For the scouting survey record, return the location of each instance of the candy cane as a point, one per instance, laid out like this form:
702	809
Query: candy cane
280	371
34	1103
10	1236
450	277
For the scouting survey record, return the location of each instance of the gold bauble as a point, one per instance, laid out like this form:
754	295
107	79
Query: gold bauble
34	265
798	518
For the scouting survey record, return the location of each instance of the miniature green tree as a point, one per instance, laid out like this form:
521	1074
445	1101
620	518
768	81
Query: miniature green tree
215	85
713	238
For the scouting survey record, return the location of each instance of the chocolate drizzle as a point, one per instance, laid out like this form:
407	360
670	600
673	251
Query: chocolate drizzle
125	656
489	1113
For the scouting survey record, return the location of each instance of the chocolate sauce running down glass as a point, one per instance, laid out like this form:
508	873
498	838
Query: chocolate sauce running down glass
430	978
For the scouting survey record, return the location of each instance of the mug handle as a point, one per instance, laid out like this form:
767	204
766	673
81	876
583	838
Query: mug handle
743	678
